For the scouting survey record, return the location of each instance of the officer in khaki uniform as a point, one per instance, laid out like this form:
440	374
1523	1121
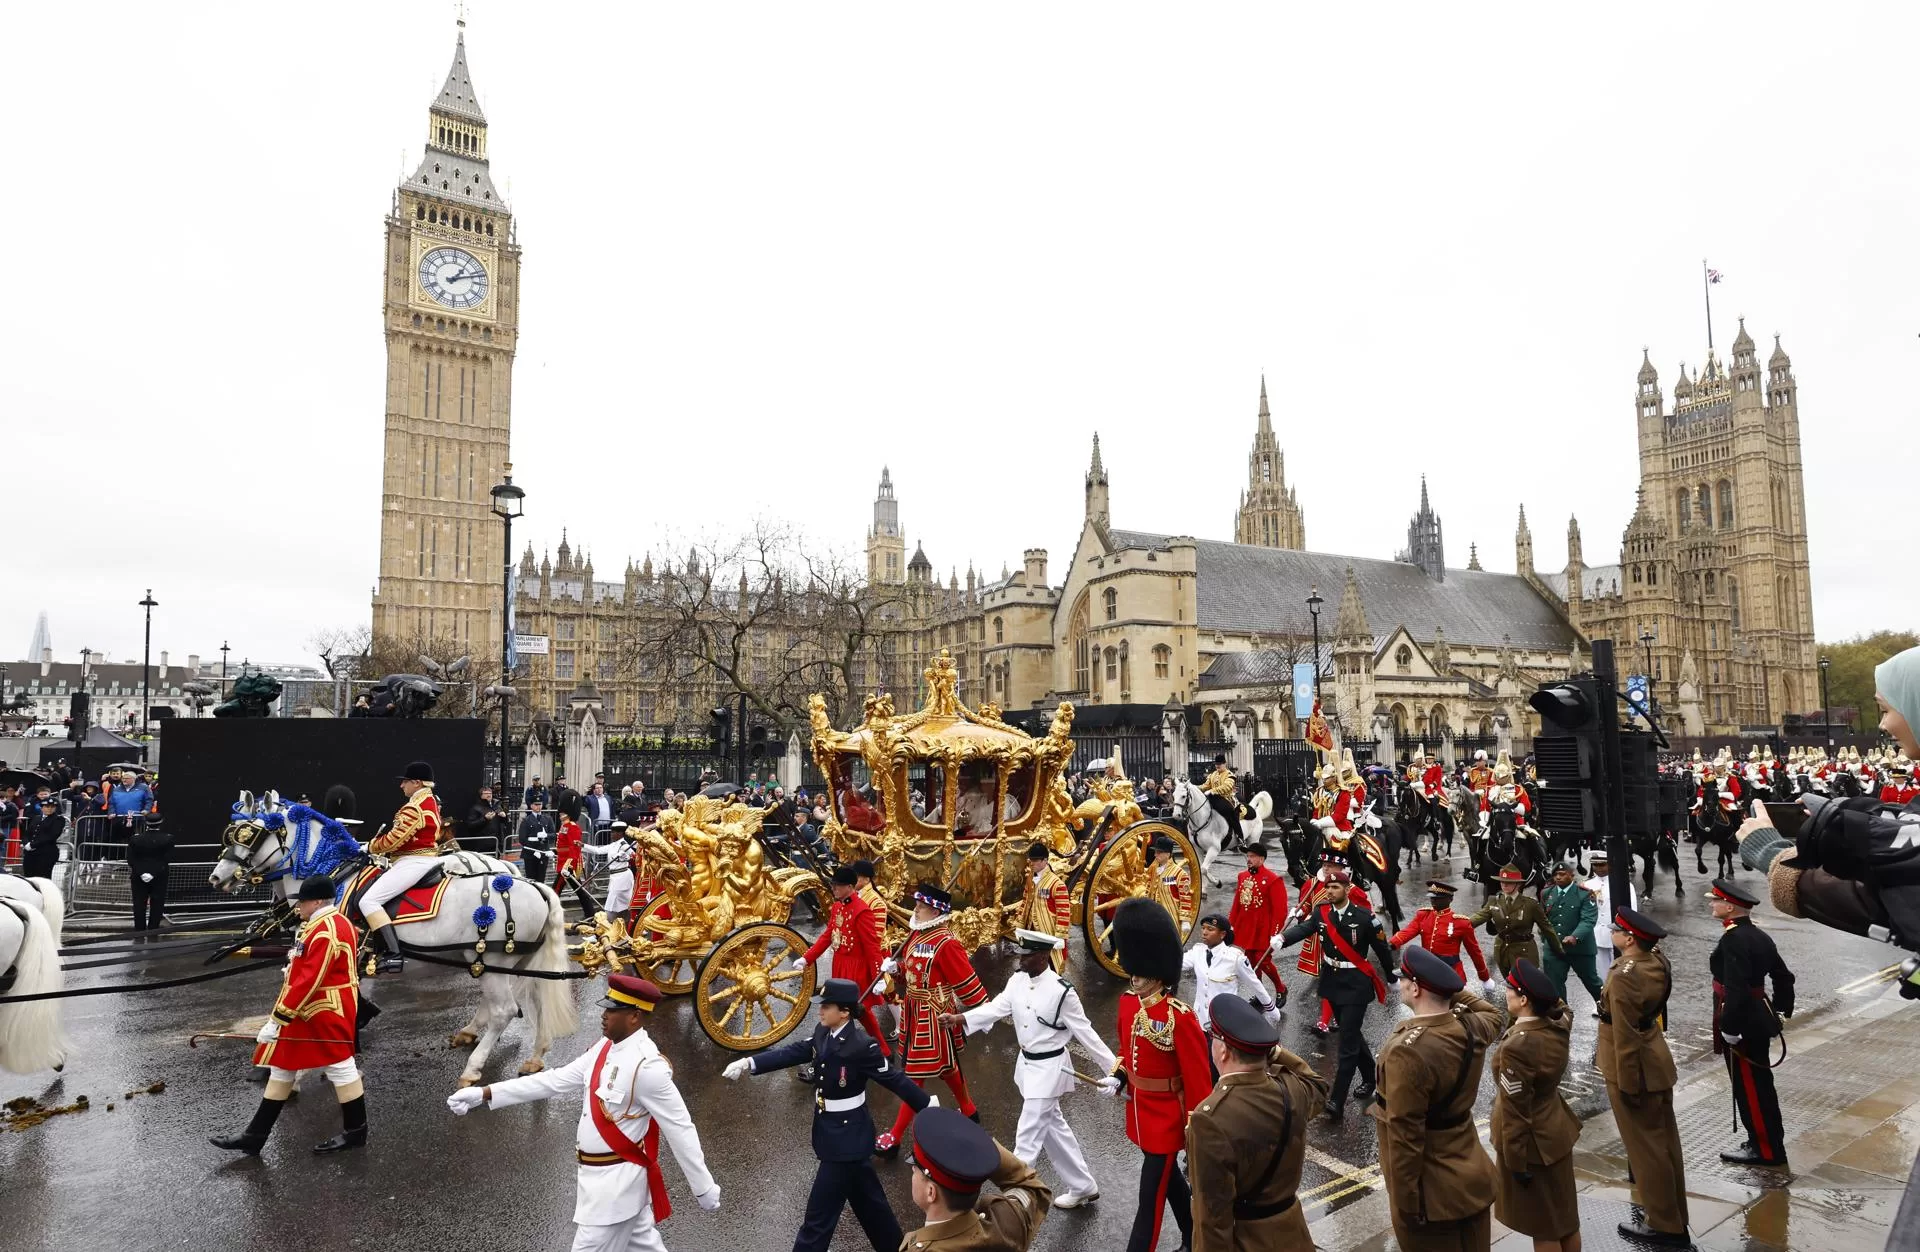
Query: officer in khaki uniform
1248	1139
1632	1054
1440	1181
1513	917
952	1157
1533	1130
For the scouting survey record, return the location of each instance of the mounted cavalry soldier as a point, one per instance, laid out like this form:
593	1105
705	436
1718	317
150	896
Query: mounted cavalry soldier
628	1100
412	844
1223	793
317	1006
842	1060
1746	1022
1479	774
1506	791
1046	1014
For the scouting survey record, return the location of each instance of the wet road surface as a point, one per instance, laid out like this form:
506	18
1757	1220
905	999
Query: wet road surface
141	1173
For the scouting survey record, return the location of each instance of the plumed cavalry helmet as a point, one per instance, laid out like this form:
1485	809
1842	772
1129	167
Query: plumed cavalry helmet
1329	771
1503	769
1146	942
1420	754
1349	772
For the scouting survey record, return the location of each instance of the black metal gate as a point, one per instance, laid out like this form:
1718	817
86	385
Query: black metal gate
1464	746
1282	765
677	763
1200	754
1142	757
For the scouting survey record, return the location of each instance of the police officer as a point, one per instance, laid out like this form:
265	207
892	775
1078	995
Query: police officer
1347	981
1573	912
1440	1181
1632	1055
1247	1141
1512	918
844	1059
1745	1021
952	1159
43	839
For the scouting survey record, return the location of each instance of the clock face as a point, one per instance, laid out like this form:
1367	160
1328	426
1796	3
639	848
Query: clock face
453	277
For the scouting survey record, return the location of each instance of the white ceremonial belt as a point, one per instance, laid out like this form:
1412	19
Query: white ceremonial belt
842	1106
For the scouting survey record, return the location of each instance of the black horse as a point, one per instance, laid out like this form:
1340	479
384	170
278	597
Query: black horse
1712	825
1296	836
1432	818
1662	848
1505	845
1391	838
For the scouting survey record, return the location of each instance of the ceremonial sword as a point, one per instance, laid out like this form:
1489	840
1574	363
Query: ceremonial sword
194	1042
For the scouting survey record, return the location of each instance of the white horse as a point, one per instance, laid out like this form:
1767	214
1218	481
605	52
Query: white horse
31	913
480	889
1208	829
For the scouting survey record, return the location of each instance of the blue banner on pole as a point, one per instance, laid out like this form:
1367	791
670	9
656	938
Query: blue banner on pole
1303	690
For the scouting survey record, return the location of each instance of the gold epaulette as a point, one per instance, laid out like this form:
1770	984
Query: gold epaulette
1174	1004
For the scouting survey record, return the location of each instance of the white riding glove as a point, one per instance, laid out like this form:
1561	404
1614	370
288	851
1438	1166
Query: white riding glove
890	966
933	1101
797	964
269	1031
734	1071
1732	1041
465	1100
710	1201
1110	1085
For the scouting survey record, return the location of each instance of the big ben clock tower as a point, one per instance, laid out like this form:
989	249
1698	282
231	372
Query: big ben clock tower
451	309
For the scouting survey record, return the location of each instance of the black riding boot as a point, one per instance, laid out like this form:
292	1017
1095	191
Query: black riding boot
390	961
353	1127
254	1137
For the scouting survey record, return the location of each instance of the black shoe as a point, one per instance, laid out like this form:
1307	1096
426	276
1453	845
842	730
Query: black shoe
974	1117
1364	1092
254	1137
1332	1112
353	1128
1638	1229
1750	1157
1280	999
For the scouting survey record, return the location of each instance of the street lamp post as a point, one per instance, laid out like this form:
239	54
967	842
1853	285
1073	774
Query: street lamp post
224	649
1826	705
1646	645
507	505
146	662
1314	601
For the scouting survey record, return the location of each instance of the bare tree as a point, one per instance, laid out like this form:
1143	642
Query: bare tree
354	655
768	616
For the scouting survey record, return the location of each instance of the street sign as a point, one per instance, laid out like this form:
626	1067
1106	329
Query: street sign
530	645
1303	690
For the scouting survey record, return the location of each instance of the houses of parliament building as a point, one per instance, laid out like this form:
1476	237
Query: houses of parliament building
1712	565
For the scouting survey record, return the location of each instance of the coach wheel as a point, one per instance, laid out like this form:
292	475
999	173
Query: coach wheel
747	996
1119	873
673	974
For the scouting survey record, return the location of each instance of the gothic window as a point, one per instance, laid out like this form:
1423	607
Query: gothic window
606	671
1710	582
1077	643
563	663
999	630
1703	499
1111	599
1733	598
1685	506
1266	469
1636	573
1113	665
1653	575
1162	660
1403	659
564	629
1726	504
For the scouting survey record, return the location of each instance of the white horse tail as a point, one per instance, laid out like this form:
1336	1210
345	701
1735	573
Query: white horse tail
30	1036
1262	805
552	998
53	907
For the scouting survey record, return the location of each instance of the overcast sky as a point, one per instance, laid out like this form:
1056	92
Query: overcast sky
769	248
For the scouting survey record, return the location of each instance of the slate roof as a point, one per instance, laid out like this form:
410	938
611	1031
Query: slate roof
1261	668
459	177
1246	589
457	97
1607	576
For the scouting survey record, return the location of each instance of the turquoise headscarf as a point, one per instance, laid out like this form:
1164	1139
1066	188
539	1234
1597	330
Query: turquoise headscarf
1897	679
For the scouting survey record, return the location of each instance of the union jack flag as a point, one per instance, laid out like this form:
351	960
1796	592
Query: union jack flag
1713	276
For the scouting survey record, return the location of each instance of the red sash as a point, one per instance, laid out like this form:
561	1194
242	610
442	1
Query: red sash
1339	942
645	1154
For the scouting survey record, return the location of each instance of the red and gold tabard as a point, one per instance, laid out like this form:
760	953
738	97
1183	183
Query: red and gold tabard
416	829
1046	907
1479	777
936	977
319	999
1164	1056
855	940
1508	793
1444	933
1259	904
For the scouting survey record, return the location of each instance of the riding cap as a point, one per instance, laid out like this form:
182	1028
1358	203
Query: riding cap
1146	942
1257	849
1638	924
1511	873
1532	982
1219	758
624	991
316	887
843	876
933	897
1162	844
1036	851
841	991
1431	972
1037	941
1245	1029
952	1150
418	771
1733	893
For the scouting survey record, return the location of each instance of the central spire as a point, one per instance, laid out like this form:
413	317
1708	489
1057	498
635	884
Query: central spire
457	97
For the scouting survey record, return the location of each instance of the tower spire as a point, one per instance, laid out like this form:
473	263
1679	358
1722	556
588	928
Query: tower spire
1266	418
457	96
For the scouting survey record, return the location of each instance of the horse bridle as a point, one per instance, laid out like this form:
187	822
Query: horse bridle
240	835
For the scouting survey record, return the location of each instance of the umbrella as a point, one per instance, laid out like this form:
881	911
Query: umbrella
23	778
719	790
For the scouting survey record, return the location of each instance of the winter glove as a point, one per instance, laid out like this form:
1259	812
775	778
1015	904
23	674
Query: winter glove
1110	1085
890	966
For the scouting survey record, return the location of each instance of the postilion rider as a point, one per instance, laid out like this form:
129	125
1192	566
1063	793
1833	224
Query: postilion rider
1223	793
319	998
412	844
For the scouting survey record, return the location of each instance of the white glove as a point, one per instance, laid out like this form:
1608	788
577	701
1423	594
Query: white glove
1732	1041
797	964
1110	1085
1273	1017
269	1031
1494	989
465	1100
146	878
889	966
710	1201
933	1101
734	1071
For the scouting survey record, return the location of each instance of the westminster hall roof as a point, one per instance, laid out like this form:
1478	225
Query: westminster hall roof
1245	589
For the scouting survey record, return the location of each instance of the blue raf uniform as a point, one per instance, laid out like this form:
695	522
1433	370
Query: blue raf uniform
844	1059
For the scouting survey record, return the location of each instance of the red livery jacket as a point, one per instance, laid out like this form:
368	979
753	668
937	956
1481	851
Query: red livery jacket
1164	1057
415	830
319	999
1259	906
567	847
936	977
856	942
1444	934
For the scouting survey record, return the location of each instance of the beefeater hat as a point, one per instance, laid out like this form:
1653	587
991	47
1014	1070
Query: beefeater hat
1146	942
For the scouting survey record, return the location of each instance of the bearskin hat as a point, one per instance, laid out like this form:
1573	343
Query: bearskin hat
1146	941
339	802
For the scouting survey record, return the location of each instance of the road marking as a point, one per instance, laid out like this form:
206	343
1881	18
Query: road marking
1346	1180
1861	984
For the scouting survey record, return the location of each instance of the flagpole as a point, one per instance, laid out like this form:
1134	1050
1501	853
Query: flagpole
1706	289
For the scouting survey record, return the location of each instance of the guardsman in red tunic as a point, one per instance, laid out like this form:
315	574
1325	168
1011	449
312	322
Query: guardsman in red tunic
856	945
319	998
1899	788
936	977
1163	1068
412	844
1443	932
1045	905
1259	906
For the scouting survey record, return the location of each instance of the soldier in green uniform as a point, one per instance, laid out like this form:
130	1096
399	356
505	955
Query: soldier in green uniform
1512	919
1573	912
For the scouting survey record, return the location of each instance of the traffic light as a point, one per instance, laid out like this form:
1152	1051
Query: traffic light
1640	782
722	722
1567	755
